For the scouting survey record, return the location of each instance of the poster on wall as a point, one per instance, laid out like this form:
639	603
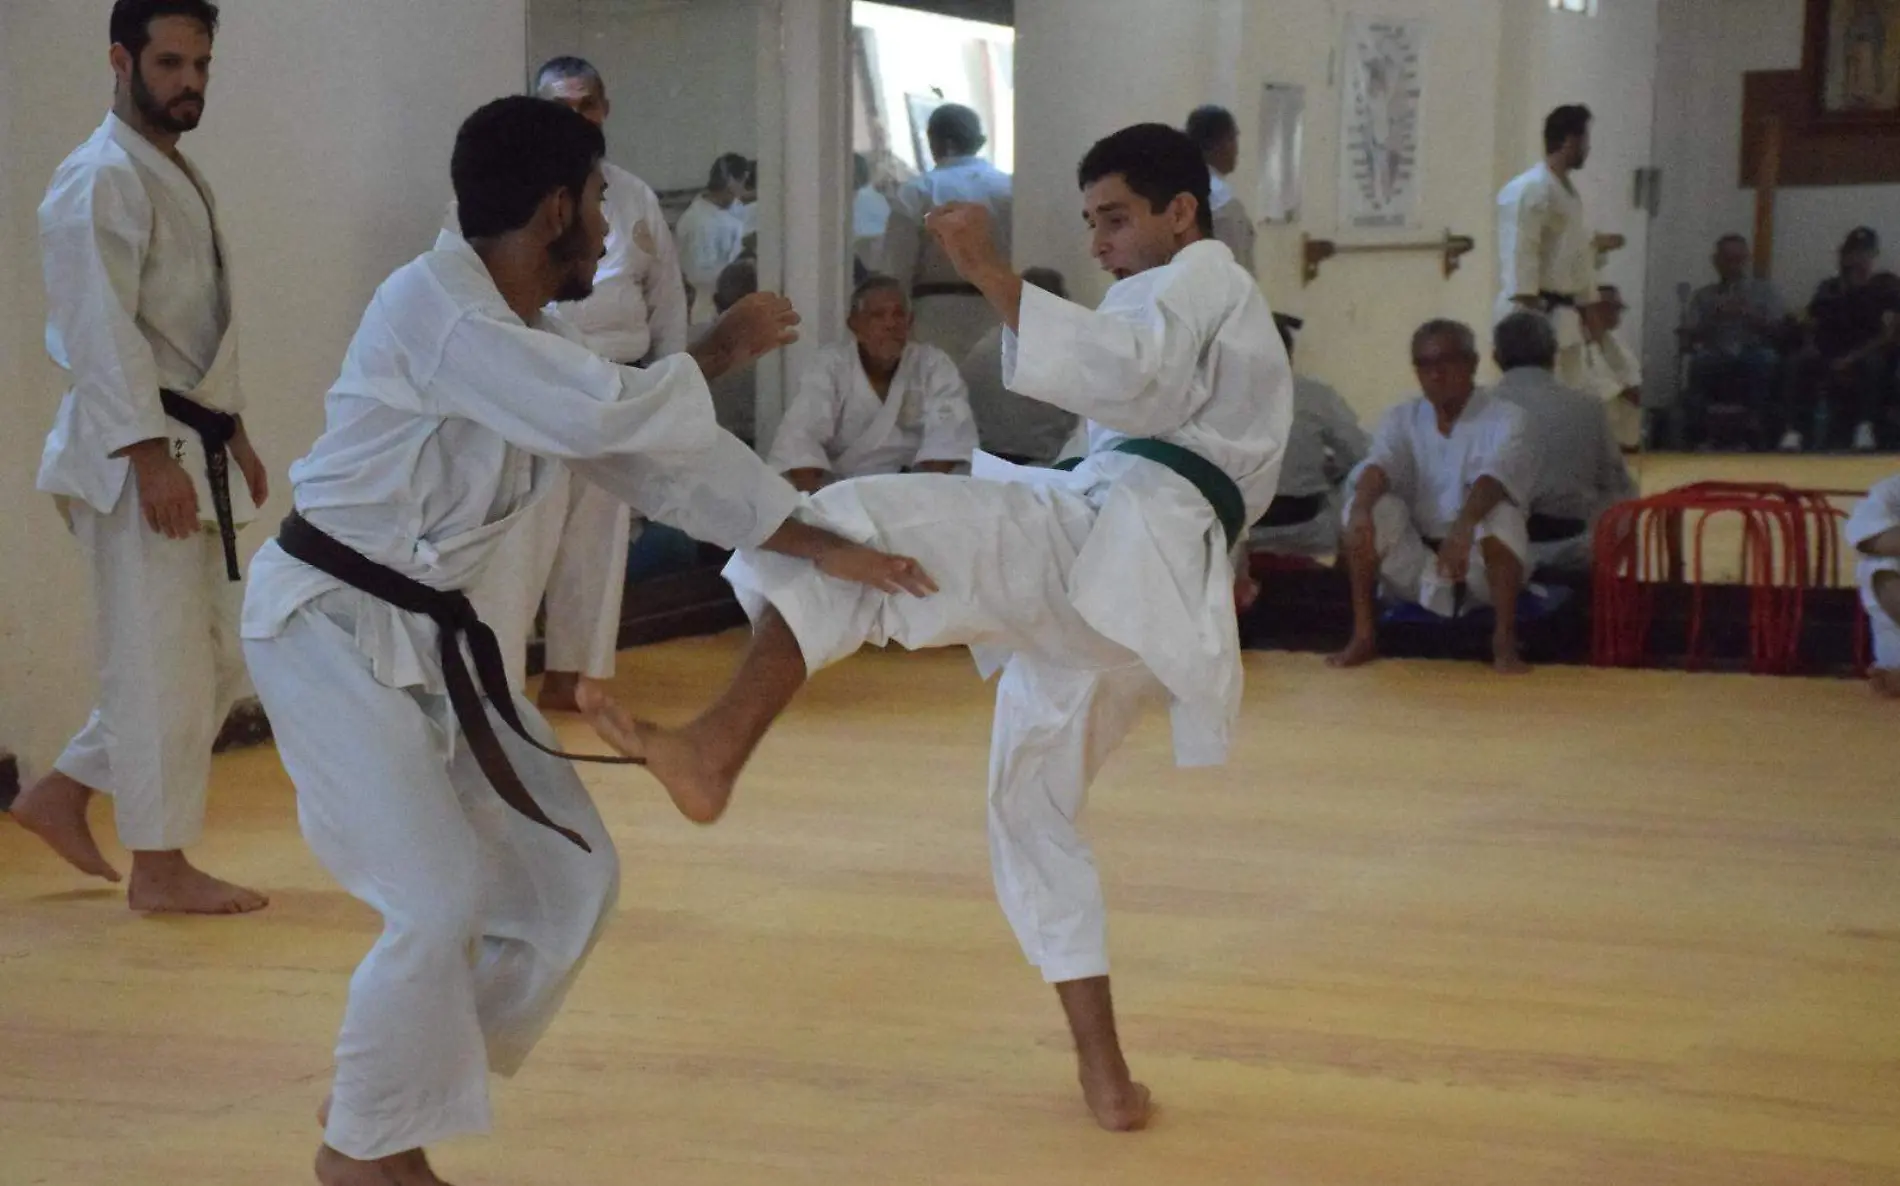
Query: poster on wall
1381	104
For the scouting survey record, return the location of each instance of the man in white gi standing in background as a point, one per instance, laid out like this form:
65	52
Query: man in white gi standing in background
1545	247
1095	591
574	547
459	396
139	298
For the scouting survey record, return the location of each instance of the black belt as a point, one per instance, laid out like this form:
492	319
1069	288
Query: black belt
1557	300
1550	529
215	429
1291	510
454	617
1221	492
944	288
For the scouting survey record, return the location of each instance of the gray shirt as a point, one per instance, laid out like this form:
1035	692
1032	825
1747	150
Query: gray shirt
1579	468
1723	315
1006	423
1325	442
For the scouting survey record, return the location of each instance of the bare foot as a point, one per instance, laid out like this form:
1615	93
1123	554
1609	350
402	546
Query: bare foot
166	883
1358	653
403	1169
559	692
1119	1104
1885	681
1506	660
699	790
54	809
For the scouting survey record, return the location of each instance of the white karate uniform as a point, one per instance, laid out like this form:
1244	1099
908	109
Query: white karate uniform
1874	516
838	424
1612	369
709	239
1545	246
1093	590
1429	476
1232	224
1325	441
448	421
953	321
574	545
1008	424
139	299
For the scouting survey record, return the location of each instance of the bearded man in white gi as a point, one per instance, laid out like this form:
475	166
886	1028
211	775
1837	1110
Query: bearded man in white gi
459	395
574	548
1545	247
139	298
1094	590
1436	515
878	403
1874	531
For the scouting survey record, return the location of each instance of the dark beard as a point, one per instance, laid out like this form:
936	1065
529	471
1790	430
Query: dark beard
159	115
566	254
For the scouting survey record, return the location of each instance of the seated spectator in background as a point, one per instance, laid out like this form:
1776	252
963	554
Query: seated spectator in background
1436	512
1874	531
877	404
1322	447
1015	427
1615	376
1845	376
711	231
1732	333
1217	135
1579	468
735	394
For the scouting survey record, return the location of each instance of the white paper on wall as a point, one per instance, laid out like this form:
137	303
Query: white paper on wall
1282	130
1381	112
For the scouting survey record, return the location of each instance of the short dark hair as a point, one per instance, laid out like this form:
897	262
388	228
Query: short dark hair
511	154
1158	162
1444	327
1525	339
565	67
730	167
1047	279
874	283
860	170
1731	237
957	128
1210	127
1572	119
738	280
132	20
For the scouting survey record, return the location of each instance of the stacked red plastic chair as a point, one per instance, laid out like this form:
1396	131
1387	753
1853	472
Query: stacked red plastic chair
1790	547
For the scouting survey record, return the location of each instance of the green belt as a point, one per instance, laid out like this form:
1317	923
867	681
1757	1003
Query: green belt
1215	486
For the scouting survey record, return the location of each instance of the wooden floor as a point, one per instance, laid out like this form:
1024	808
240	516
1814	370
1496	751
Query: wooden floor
1429	927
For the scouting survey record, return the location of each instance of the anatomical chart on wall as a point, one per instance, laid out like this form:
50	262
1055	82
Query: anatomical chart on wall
1381	101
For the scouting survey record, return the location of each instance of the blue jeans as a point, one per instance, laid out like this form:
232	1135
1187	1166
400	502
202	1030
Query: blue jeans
1747	378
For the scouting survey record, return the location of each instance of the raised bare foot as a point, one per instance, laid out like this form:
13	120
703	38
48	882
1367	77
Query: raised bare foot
54	809
698	789
1506	659
1118	1104
166	883
1358	653
559	692
1885	681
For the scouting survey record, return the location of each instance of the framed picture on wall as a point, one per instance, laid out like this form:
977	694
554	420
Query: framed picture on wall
1853	59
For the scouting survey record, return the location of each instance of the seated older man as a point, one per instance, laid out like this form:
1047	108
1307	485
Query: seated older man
1436	513
1015	427
1324	445
1732	331
1874	532
1580	471
877	404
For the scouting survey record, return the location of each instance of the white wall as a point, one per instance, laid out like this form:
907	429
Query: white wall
327	138
683	78
1705	49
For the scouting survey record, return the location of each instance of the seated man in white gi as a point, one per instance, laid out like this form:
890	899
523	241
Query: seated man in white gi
1014	427
459	395
877	404
1436	514
1580	469
1874	531
1095	590
1325	445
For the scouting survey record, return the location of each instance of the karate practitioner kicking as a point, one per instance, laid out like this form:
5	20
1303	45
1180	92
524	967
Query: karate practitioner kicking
139	316
459	397
1093	590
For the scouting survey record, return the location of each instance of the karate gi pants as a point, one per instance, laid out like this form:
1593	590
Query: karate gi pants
1001	554
572	548
170	668
1886	631
1408	569
487	916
